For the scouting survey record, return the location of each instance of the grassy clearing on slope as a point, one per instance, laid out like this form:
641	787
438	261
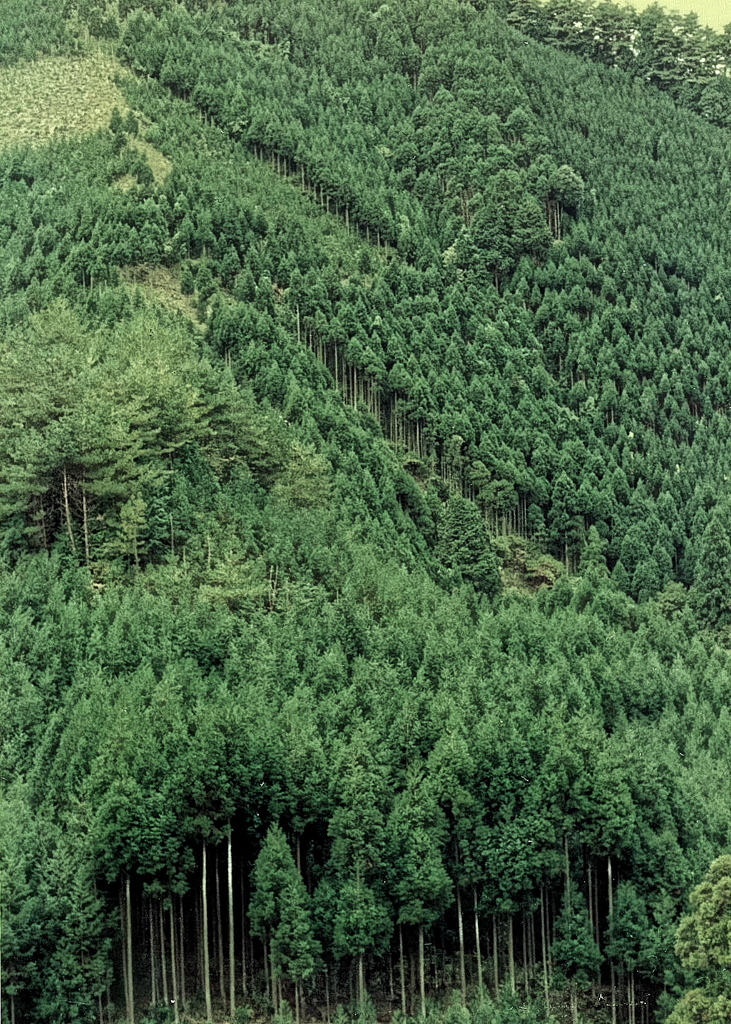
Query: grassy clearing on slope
161	285
57	97
159	163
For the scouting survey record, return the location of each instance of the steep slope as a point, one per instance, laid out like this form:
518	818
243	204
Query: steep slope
275	730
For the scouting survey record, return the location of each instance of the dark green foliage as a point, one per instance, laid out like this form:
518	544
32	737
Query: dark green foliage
465	546
711	595
27	29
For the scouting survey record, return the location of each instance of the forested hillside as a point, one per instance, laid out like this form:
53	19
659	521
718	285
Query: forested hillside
365	526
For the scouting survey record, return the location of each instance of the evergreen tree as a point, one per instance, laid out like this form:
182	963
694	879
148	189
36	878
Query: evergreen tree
710	596
465	546
702	944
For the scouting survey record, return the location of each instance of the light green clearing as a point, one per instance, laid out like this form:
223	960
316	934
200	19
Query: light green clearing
716	13
57	97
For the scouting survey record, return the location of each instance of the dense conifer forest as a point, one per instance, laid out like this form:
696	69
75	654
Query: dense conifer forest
365	521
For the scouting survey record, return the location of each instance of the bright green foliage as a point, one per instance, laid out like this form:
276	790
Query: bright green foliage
703	937
703	942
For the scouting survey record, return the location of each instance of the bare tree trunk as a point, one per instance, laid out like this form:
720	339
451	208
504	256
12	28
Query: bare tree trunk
361	980
478	950
511	954
123	929
526	957
495	962
173	963
544	946
273	978
460	931
67	510
181	925
422	984
206	956
231	948
163	961
219	939
327	996
130	979
86	527
401	969
244	985
297	1002
153	965
611	917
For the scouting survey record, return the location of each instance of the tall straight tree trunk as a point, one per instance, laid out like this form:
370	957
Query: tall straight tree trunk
422	983
67	510
526	956
590	904
511	953
460	931
273	974
495	961
199	940
130	978
361	980
86	527
163	959
544	946
297	1002
610	896
244	985
153	965
401	968
206	952
477	945
267	983
219	938
327	996
181	925
123	929
231	948
174	963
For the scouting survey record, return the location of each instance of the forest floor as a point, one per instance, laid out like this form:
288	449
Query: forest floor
58	97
